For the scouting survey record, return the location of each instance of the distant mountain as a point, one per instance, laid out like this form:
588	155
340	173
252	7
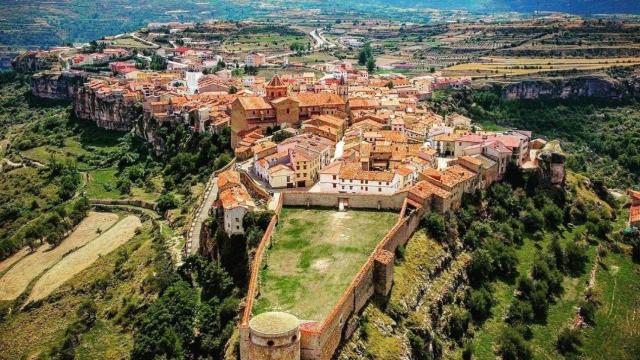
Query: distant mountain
53	22
571	6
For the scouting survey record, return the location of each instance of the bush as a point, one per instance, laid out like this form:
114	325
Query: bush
512	346
479	303
533	220
588	312
167	202
435	226
519	312
576	258
553	216
568	341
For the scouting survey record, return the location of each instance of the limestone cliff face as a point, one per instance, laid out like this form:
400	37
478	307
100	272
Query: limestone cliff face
57	86
33	61
111	111
594	87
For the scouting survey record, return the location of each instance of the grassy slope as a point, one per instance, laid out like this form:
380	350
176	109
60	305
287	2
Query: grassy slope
617	331
34	331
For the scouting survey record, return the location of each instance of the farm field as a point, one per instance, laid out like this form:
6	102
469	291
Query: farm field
101	184
33	331
128	42
314	256
495	67
77	261
18	277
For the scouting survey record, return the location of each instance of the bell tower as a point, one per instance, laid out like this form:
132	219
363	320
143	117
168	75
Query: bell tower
276	88
343	88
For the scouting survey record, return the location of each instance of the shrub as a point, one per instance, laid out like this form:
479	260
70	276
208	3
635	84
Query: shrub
435	226
480	302
512	346
568	341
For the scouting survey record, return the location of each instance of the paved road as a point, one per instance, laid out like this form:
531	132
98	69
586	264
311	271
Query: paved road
201	215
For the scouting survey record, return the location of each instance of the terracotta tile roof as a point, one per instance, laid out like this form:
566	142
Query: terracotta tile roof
356	103
320	99
404	171
472	160
424	189
280	167
634	214
228	178
635	196
332	169
254	103
446	137
276	82
234	197
455	175
263	146
354	171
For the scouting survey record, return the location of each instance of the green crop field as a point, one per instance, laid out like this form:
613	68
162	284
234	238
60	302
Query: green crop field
314	256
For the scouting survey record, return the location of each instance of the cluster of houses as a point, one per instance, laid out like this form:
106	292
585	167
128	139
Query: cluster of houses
634	211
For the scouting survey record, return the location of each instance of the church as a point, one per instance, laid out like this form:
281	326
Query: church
279	107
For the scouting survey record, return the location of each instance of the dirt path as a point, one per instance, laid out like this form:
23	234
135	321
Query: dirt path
16	280
79	260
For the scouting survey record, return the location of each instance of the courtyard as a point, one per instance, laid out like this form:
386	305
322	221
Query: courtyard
314	256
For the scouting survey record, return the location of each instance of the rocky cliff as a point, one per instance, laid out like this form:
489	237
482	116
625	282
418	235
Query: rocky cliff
111	110
56	85
591	86
33	61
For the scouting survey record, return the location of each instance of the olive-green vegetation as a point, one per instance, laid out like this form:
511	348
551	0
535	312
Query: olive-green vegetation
602	137
92	314
66	158
528	252
314	256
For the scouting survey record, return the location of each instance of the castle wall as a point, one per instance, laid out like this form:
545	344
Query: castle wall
355	201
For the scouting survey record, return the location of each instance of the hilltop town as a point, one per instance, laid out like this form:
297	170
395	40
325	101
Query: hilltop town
319	191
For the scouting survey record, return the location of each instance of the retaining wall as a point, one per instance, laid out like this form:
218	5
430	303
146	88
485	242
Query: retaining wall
356	201
130	202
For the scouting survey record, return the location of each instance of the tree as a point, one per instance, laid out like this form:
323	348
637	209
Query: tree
158	63
512	346
482	267
576	257
568	341
280	136
371	65
519	312
166	202
233	89
479	303
553	216
435	226
458	323
533	220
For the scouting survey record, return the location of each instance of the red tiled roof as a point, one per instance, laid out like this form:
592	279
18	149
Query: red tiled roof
634	214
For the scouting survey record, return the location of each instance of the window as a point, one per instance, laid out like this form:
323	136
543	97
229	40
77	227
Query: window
237	227
334	186
304	174
334	177
350	187
237	219
379	189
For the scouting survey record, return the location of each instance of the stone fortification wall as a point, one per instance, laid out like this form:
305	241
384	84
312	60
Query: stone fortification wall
355	201
253	282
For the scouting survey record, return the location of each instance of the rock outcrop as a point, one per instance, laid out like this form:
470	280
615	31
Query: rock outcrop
33	61
109	110
593	87
57	85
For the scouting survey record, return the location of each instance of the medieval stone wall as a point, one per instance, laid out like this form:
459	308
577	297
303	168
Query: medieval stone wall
355	201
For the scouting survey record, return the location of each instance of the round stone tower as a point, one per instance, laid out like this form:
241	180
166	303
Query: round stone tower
274	336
